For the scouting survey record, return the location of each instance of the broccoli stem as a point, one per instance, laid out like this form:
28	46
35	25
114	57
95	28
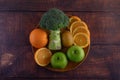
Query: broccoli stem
54	40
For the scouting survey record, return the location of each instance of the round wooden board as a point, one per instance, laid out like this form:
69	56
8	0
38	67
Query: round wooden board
71	65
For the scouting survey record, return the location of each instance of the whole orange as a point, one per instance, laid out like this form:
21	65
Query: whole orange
38	38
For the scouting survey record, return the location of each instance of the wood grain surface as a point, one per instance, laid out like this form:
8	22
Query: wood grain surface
18	18
67	5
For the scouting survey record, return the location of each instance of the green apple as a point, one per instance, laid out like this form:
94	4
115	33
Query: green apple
75	53
59	60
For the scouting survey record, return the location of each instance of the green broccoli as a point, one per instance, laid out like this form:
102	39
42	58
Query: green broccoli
54	20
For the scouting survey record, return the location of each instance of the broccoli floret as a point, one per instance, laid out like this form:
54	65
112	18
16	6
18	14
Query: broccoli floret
54	19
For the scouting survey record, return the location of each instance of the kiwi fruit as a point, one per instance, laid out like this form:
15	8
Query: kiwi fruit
67	39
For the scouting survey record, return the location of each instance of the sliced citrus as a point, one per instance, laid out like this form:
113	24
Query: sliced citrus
81	30
73	19
81	39
77	24
42	56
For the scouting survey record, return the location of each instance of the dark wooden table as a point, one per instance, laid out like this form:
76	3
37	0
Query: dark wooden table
19	17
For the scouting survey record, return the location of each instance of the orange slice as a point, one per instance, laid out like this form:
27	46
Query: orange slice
81	30
77	24
42	56
73	19
81	39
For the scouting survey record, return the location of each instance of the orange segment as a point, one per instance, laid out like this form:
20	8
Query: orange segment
77	24
81	39
81	30
42	56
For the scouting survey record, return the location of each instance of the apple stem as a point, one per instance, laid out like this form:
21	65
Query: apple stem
75	51
58	58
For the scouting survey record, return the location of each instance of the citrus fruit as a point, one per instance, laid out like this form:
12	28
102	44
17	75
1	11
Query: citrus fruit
81	39
77	24
81	30
42	56
74	18
38	38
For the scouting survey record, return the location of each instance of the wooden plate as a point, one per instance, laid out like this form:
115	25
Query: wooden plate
71	65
